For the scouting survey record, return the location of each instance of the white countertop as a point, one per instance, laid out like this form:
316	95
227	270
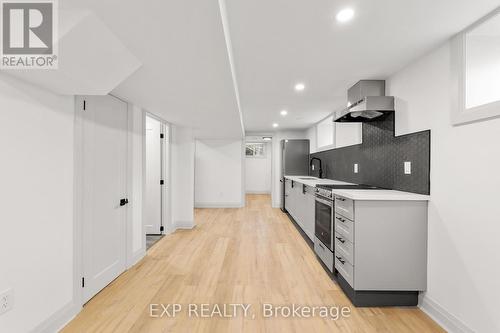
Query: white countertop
313	181
389	195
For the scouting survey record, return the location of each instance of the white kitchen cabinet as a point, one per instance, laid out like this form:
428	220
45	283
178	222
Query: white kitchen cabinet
309	212
300	203
381	247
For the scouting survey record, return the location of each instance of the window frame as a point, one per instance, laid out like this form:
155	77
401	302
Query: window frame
264	150
460	115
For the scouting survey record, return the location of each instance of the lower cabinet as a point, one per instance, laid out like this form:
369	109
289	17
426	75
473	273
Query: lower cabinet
381	250
299	202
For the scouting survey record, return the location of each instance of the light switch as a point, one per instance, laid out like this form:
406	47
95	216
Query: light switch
312	167
407	168
356	168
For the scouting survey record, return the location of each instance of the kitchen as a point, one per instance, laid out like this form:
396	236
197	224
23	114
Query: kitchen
371	235
251	166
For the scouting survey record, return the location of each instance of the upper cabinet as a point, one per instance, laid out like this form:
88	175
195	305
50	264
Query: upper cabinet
329	135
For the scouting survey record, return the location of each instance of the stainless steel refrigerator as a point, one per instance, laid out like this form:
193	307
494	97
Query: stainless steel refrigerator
294	162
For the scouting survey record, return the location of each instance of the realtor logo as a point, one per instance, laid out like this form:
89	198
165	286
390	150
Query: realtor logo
28	34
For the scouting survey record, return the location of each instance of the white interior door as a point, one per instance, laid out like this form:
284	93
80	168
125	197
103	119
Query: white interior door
104	171
153	196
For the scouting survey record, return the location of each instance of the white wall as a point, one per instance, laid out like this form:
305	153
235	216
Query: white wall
36	199
219	173
182	177
464	214
258	172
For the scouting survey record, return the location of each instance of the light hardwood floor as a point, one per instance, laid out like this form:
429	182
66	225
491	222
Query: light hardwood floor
253	255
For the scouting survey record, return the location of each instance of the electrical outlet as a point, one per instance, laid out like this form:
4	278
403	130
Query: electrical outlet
356	167
6	301
312	167
407	168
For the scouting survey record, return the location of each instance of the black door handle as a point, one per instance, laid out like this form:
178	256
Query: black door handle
123	202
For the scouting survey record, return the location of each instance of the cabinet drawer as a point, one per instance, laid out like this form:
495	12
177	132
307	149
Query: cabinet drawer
344	227
344	207
344	248
324	253
345	269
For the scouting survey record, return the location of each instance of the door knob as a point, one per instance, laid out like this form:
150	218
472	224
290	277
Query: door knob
123	202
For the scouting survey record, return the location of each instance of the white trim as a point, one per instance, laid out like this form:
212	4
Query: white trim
136	257
229	49
58	320
258	192
218	205
460	115
243	173
185	225
78	201
444	318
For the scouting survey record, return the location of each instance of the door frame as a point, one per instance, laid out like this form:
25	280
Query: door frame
166	216
130	257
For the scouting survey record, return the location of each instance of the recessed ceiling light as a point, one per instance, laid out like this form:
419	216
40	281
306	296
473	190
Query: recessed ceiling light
345	15
300	87
275	125
283	112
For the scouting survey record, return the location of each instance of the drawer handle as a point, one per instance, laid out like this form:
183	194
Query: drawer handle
341	240
321	246
340	259
341	199
340	219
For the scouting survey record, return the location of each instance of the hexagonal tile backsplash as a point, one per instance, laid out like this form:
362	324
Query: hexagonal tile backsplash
381	159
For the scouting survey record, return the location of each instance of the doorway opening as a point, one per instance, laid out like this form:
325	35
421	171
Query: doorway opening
258	165
156	166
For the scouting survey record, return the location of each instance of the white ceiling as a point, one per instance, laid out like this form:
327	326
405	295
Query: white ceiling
277	43
186	76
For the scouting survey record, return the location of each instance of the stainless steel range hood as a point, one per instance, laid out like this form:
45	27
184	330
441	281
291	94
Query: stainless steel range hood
366	102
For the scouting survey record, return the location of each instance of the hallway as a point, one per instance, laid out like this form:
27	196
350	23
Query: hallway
251	255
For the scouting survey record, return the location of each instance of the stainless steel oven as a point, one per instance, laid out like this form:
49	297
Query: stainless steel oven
324	226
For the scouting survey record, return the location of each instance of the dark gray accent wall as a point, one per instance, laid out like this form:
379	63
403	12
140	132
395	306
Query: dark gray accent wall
381	159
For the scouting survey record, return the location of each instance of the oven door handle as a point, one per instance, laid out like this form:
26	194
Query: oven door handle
325	202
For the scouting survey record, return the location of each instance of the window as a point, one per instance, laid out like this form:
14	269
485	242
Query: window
476	70
255	150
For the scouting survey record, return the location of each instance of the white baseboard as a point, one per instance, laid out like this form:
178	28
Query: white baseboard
444	318
258	192
59	319
136	257
218	205
184	225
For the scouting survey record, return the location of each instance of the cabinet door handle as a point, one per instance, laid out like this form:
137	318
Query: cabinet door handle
340	219
340	259
341	240
341	199
321	246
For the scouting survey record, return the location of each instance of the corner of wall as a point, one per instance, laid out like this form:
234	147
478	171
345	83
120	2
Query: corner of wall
444	318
